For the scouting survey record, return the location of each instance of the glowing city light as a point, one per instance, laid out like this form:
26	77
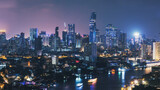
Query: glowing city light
2	30
136	34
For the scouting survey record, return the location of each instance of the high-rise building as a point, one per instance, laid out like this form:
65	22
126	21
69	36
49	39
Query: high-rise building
56	32
45	38
56	39
90	50
103	39
92	28
94	34
71	36
22	40
146	51
64	37
51	41
97	35
156	50
33	36
123	41
38	45
2	37
143	49
78	40
112	36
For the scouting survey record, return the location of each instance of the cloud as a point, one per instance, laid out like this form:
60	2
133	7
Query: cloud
6	4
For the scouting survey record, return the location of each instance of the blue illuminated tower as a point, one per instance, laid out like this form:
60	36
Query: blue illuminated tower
64	35
33	36
92	39
92	28
71	36
112	36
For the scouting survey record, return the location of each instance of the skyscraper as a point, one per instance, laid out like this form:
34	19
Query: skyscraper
45	38
2	37
38	45
71	36
33	36
97	35
51	41
64	35
22	40
78	40
56	39
92	28
123	41
92	38
156	50
112	36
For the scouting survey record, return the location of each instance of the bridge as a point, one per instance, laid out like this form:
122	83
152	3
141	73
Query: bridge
152	63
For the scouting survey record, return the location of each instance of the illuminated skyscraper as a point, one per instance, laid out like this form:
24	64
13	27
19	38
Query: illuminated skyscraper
33	36
156	50
97	35
78	40
64	35
45	38
56	39
92	38
122	41
92	28
112	36
71	36
2	37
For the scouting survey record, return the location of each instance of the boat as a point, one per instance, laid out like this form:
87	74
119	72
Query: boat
92	81
79	84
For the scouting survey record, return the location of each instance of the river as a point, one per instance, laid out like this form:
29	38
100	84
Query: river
111	80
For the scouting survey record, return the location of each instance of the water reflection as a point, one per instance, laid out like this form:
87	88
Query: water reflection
123	77
78	83
113	79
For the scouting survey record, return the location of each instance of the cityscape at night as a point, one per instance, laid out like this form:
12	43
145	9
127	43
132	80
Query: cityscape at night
79	45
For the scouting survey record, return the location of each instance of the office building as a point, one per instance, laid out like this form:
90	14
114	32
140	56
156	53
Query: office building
71	36
33	36
156	50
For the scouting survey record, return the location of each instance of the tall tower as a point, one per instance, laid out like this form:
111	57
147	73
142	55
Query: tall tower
33	36
56	39
156	51
92	27
45	38
56	32
92	39
2	38
22	40
71	36
112	36
64	35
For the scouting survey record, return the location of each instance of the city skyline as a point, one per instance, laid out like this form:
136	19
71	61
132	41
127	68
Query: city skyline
79	45
19	16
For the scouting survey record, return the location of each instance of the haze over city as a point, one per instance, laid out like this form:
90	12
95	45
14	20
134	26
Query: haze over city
129	16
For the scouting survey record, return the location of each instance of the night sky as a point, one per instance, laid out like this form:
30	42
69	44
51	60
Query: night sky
129	15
